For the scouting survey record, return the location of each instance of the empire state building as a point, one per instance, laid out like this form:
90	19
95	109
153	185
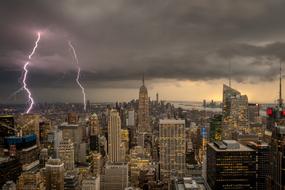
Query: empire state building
143	110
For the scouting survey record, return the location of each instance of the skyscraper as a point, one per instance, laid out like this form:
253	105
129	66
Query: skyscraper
253	113
94	133
114	136
66	154
131	118
262	162
172	148
275	125
96	163
277	159
216	128
230	165
235	111
94	125
54	174
143	110
74	132
115	176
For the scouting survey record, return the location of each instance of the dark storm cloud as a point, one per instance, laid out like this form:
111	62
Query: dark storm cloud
118	40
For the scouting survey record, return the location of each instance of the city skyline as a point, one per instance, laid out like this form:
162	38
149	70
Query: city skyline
142	95
183	47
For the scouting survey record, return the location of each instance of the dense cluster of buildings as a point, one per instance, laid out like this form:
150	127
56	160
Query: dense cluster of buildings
145	144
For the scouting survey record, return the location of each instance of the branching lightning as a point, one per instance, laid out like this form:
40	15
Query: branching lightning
15	93
31	100
78	74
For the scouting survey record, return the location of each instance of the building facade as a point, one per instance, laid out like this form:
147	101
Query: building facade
172	148
143	110
54	174
262	151
115	176
277	159
66	154
114	137
230	165
235	111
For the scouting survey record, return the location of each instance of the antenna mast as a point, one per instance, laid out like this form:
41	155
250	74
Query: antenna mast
280	85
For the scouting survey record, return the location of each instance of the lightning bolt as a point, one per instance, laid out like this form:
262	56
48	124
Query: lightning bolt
78	74
26	71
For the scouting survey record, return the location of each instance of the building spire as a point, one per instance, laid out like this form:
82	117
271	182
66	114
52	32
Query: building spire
143	79
280	85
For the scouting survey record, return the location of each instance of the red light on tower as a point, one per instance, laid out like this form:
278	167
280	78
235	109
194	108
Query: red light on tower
283	113
269	111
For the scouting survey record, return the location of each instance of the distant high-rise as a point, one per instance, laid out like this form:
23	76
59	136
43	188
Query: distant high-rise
43	157
276	115
172	148
66	154
125	139
114	136
94	133
235	111
230	165
131	118
94	125
253	113
54	174
157	97
72	118
216	128
277	159
96	163
143	110
74	132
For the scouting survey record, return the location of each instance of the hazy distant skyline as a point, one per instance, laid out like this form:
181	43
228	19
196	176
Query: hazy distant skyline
183	47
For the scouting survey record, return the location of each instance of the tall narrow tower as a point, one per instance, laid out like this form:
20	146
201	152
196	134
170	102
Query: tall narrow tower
157	98
114	136
280	101
143	110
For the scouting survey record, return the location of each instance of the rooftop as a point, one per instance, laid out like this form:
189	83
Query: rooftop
65	124
188	183
229	145
171	121
258	144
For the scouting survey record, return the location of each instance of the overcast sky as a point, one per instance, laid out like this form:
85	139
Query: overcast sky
183	47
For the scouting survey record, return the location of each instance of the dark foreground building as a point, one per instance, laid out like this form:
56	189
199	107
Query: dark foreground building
10	170
230	165
262	151
277	159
